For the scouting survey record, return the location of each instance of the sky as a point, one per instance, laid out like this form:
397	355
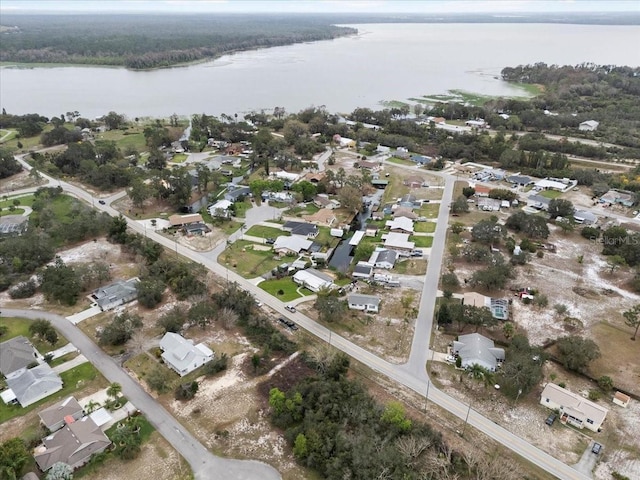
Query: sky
319	6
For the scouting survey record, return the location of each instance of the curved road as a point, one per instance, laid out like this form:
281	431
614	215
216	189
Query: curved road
412	374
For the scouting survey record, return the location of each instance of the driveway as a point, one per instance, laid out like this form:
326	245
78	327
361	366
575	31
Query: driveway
588	461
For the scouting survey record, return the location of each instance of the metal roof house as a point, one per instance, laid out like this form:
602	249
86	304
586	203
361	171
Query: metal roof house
574	409
73	445
585	217
521	180
16	353
362	270
28	385
588	126
367	303
399	241
54	417
292	244
301	228
181	355
476	349
237	193
116	294
313	279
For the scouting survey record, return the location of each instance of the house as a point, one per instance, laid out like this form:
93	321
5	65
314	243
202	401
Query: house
357	237
17	353
344	142
538	202
313	279
383	258
362	270
237	194
588	126
74	444
401	152
479	123
409	201
399	242
420	159
520	180
368	303
414	181
181	355
301	228
476	349
323	201
488	204
284	197
437	120
324	216
293	244
585	217
614	196
28	385
404	212
400	224
550	184
383	149
482	191
368	165
287	177
116	294
182	220
220	209
621	399
475	299
315	177
505	204
386	280
574	409
195	229
53	418
379	184
371	232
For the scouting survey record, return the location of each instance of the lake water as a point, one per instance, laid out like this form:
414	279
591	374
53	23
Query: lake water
383	62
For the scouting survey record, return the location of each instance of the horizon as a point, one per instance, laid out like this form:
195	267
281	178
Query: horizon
369	7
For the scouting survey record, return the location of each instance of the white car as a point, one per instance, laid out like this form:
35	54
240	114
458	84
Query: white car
451	359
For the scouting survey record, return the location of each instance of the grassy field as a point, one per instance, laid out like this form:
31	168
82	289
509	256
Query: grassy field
286	285
6	212
395	189
266	232
179	157
426	227
411	266
25	200
20	326
241	208
550	194
422	242
74	379
247	262
6	135
128	139
401	161
299	210
429	210
324	237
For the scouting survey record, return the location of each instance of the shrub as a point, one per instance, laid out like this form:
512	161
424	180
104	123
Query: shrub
216	365
539	254
605	383
450	280
595	395
540	300
186	391
23	290
562	385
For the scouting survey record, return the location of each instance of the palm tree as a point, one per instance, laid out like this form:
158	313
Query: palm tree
114	390
476	372
91	406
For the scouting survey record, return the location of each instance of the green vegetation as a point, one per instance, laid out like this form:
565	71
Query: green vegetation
401	161
179	157
248	262
426	227
284	289
266	232
429	210
422	242
20	326
550	194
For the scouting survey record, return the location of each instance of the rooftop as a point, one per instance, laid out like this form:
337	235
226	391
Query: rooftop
16	353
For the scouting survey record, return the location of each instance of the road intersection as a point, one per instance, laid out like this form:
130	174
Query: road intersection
412	374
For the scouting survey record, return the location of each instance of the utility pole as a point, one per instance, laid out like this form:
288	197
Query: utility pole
466	420
426	397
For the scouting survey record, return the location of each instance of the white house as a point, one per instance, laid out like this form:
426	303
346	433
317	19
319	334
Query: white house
293	244
399	242
313	279
588	126
181	355
400	224
574	409
383	258
368	303
476	349
28	385
220	209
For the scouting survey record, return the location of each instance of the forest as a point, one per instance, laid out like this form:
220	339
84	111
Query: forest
152	41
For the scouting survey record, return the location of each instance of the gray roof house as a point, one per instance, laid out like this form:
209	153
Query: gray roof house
539	202
301	228
116	294
74	444
235	195
368	303
522	180
54	417
585	217
383	258
362	270
28	385
181	355
16	353
476	349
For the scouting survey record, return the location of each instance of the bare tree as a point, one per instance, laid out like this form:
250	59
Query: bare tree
228	318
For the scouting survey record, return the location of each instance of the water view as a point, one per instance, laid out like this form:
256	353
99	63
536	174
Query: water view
384	62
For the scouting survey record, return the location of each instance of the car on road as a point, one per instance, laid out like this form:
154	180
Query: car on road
291	308
550	419
258	303
101	202
596	448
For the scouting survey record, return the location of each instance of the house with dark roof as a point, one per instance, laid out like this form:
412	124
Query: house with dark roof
538	202
476	349
421	159
234	195
28	385
116	294
54	416
521	180
301	228
17	353
362	270
74	444
383	258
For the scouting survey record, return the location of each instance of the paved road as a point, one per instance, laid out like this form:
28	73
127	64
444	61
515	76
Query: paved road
204	464
412	375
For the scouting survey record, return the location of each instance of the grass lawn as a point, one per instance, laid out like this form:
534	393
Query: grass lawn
6	135
74	379
286	285
411	266
132	138
20	326
25	200
550	194
241	208
324	237
179	157
266	232
401	161
299	210
16	211
247	262
142	364
422	242
427	227
429	210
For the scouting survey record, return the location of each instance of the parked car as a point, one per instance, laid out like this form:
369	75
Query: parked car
550	419
451	359
270	241
288	323
101	202
291	308
416	253
258	303
596	448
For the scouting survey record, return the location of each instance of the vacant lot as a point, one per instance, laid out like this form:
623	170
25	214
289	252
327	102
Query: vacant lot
248	259
429	210
411	266
284	289
425	227
266	232
422	241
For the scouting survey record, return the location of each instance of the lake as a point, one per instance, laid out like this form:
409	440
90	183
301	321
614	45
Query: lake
383	62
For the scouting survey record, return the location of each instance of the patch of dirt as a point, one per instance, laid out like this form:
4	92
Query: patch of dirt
18	182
